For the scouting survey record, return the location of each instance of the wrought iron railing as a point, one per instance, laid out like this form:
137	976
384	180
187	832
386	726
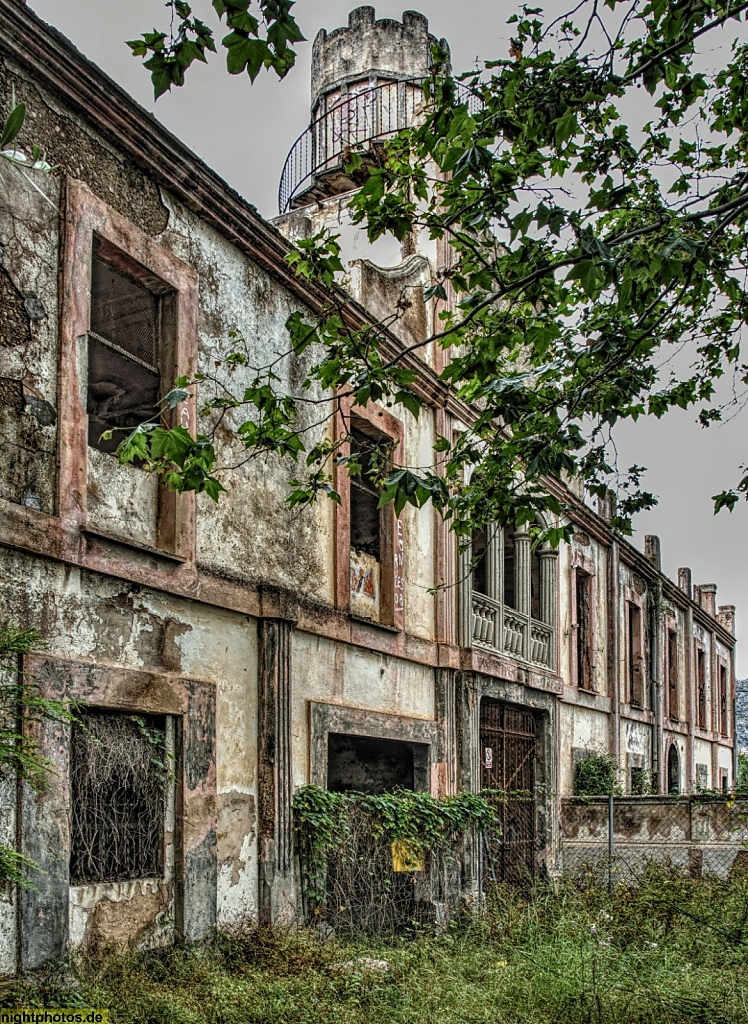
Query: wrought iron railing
357	117
507	631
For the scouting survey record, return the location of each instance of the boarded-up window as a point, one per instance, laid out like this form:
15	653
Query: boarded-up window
701	688
365	516
635	655
124	382
673	704
583	629
118	781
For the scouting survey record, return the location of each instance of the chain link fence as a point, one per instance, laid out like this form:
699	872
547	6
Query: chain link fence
607	840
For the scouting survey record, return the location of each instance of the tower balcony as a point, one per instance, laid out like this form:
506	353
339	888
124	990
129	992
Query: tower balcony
361	119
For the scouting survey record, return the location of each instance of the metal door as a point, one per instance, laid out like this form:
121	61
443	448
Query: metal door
507	750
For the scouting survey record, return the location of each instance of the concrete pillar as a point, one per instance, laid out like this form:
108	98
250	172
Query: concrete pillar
522	571
684	581
709	598
653	550
275	827
446	715
467	734
465	586
726	617
494	562
548	570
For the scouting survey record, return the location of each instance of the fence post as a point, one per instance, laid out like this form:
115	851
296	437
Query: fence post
611	845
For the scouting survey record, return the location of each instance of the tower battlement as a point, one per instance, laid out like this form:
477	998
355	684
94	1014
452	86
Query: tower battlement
371	49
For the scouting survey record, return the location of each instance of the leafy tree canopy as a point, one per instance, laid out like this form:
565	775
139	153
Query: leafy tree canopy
593	185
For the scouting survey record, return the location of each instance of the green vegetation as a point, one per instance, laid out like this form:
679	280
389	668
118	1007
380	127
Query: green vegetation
23	712
670	950
596	774
591	183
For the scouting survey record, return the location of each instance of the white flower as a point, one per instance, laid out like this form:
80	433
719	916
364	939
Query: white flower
650	945
593	929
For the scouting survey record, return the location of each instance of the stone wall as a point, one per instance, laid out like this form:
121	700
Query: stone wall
702	835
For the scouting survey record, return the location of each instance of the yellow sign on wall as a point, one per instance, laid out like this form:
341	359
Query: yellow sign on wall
407	855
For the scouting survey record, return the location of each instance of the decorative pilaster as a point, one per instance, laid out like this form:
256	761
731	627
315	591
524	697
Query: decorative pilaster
446	717
275	782
522	571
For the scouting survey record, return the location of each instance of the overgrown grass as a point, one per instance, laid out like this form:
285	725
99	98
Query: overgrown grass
669	950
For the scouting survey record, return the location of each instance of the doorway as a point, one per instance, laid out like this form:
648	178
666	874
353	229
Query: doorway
508	754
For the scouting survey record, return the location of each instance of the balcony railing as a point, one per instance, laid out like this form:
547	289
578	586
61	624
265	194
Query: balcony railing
357	118
507	631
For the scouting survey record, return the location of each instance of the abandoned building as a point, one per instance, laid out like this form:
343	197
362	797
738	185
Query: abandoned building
268	650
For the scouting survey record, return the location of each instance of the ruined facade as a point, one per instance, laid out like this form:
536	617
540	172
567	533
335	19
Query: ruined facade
267	650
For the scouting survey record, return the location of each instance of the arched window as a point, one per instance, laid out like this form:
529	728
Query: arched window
673	770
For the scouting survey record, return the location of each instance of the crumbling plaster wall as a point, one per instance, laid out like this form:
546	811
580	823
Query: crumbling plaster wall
90	618
29	243
334	673
580	728
251	534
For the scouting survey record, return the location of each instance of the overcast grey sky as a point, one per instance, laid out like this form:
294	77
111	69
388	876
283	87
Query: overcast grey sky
244	132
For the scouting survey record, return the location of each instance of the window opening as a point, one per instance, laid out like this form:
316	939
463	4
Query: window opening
673	770
365	516
582	588
124	382
723	700
638	780
701	687
672	675
636	681
535	584
479	560
366	764
509	599
118	781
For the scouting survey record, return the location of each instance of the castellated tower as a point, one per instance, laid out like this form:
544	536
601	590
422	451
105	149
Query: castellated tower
366	85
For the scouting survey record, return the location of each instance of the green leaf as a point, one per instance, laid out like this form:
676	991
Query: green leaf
13	125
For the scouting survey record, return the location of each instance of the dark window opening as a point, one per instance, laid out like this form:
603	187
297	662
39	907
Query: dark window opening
635	658
365	516
673	770
638	781
124	381
365	764
118	781
535	584
672	676
701	687
479	555
723	700
509	598
582	587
